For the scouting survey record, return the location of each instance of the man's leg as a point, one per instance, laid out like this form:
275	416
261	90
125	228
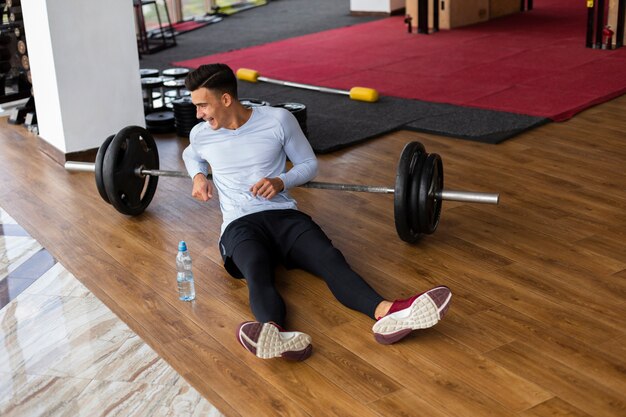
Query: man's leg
314	252
256	262
265	337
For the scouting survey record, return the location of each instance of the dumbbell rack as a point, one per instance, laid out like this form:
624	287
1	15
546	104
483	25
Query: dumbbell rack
15	81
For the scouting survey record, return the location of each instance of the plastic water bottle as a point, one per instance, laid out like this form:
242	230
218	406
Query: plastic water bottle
186	289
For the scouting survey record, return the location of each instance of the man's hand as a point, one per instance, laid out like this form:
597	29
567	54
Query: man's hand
267	187
202	188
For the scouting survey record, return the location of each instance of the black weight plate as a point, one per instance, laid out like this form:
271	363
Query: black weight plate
183	109
253	102
148	72
161	129
431	185
183	102
292	107
416	173
297	109
153	82
160	119
171	94
401	193
175	72
99	166
130	150
188	117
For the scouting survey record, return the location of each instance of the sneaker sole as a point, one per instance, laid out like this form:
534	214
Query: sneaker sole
265	341
426	311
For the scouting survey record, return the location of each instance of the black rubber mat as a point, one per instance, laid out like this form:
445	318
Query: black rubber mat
335	121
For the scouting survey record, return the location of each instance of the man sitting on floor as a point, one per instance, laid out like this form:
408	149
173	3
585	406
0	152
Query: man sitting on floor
247	149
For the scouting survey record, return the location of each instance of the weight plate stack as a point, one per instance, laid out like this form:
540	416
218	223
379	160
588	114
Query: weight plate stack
184	116
162	121
174	89
151	91
412	156
131	149
299	111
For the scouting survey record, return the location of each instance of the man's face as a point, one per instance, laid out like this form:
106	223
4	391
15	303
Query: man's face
211	106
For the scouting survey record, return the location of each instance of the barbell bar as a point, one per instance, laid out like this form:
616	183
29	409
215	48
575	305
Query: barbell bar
450	195
127	171
368	95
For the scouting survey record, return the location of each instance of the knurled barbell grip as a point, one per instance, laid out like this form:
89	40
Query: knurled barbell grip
449	195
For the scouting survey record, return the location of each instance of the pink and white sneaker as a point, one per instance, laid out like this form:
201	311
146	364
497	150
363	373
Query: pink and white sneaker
268	340
418	312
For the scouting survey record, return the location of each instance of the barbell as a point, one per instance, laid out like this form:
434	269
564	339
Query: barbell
369	95
127	171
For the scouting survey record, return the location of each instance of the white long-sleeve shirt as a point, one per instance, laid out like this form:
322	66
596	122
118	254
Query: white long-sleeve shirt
239	158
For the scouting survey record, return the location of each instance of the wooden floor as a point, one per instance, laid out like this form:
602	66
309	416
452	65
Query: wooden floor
537	325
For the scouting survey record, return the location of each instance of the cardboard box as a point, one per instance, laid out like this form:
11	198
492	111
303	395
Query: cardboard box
452	13
499	8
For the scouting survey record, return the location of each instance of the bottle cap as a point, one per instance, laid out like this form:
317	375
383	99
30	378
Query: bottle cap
182	246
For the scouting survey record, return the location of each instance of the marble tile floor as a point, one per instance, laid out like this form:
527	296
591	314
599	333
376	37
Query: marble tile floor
64	353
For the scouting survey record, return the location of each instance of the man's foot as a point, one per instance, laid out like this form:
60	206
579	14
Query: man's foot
418	312
268	340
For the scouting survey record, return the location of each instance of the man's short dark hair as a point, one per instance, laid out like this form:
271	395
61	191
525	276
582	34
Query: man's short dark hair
217	77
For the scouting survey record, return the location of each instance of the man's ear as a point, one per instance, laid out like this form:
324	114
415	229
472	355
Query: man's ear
227	99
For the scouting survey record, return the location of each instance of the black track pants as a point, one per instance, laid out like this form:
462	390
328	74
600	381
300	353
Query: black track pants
312	251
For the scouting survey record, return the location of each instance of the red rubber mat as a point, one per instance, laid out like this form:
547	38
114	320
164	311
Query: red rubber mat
533	63
188	26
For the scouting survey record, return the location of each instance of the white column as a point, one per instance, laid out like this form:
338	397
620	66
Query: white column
85	70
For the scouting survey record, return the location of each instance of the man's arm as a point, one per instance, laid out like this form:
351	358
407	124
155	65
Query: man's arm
194	162
300	153
198	169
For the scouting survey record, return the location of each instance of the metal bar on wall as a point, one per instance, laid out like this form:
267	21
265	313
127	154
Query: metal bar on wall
619	31
590	16
599	22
